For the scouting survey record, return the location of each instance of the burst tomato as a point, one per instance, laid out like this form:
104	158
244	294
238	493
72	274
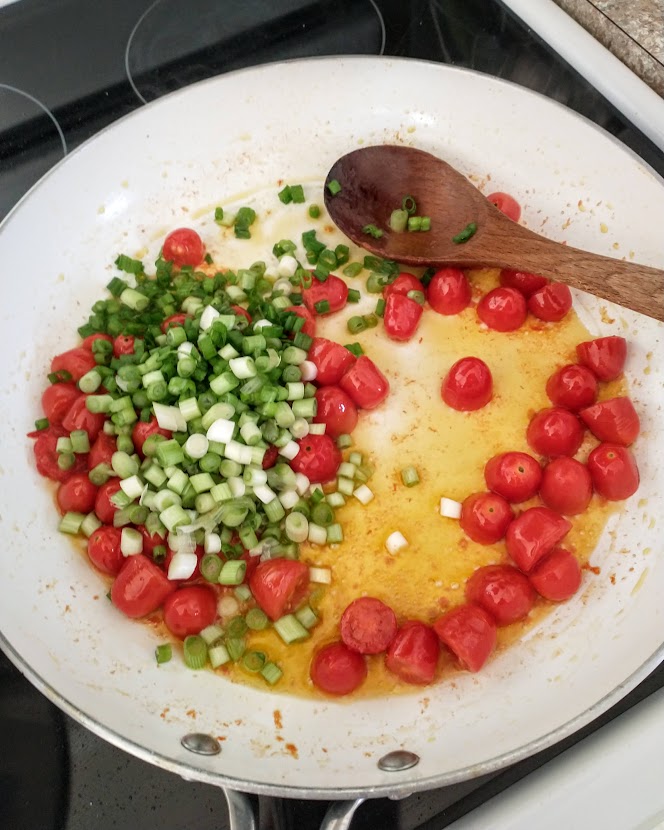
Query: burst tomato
557	576
515	476
173	321
46	455
142	430
614	421
365	384
101	452
402	317
485	517
468	385
506	204
572	387
404	283
140	587
123	344
503	591
550	303
555	431
318	458
605	356
77	494
333	290
279	585
104	507
449	291
80	417
104	549
469	632
337	669
90	339
523	281
413	653
336	410
368	625
613	471
533	534
76	362
183	246
189	610
331	360
57	399
503	309
309	326
566	486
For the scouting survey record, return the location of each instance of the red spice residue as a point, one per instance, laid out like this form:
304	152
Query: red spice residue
278	722
222	737
612	577
191	713
165	712
292	750
594	568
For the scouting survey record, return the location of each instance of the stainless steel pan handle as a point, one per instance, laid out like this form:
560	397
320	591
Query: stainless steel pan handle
241	812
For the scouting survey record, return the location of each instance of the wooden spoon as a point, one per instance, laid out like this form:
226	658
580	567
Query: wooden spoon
374	181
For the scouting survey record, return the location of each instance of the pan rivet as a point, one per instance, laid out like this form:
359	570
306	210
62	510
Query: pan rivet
201	744
398	760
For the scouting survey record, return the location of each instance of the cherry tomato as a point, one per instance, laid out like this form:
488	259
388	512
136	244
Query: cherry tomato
572	387
150	540
77	494
183	247
142	430
104	549
413	653
404	283
57	399
515	476
533	534
101	452
174	320
554	432
46	455
334	290
76	361
368	625
614	421
469	632
485	517
140	587
503	591
566	486
550	303
402	317
270	457
90	339
309	326
503	309
80	417
613	471
336	410
557	576
523	281
449	291
104	507
506	204
365	384
318	458
468	385
331	361
123	344
337	670
605	356
241	312
279	585
189	610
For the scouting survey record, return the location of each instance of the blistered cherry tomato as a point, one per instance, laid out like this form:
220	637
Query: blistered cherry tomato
337	669
104	549
77	494
557	576
449	291
104	507
57	399
279	585
333	290
613	471
523	281
413	653
80	417
366	385
503	309
101	452
309	326
605	356
485	517
173	321
150	540
550	303
566	486
183	246
140	587
318	458
555	431
90	339
404	283
368	625
270	457
142	430
402	317
241	312
123	344
515	476
46	455
572	387
503	591
533	534
614	421
468	385
336	410
189	610
506	204
331	360
469	632
76	361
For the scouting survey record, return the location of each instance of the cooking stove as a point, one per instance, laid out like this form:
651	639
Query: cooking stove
69	68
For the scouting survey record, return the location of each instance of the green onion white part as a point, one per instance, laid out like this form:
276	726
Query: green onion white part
182	565
449	508
395	542
321	576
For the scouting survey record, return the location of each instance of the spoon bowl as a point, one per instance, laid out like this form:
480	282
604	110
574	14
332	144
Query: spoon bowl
375	180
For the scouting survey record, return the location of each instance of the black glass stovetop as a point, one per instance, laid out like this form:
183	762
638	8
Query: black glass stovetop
67	69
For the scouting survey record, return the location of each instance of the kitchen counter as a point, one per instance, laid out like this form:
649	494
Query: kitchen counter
633	31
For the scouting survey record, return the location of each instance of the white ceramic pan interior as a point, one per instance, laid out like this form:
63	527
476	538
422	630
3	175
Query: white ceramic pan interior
235	134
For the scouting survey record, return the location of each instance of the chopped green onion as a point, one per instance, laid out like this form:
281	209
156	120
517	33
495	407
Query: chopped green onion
334	187
163	653
344	441
314	211
398	220
465	234
253	661
210	567
335	534
410	477
380	308
306	616
372	230
297	193
42	423
195	651
218	655
80	442
285	195
408	204
290	629
236	648
71	522
271	673
418	296
354	348
232	572
353	269
256	619
415	223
